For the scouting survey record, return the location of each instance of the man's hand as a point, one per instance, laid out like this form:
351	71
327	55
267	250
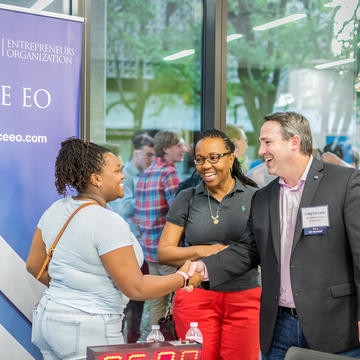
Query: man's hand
196	266
196	272
195	281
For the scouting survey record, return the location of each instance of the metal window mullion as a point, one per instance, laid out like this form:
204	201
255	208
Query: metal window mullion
213	100
84	9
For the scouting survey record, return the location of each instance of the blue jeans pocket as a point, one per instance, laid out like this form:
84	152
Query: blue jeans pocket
64	340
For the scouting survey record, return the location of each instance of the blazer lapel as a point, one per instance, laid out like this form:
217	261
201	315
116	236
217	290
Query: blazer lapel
275	217
311	184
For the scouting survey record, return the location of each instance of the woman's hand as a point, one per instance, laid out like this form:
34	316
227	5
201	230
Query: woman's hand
207	250
170	253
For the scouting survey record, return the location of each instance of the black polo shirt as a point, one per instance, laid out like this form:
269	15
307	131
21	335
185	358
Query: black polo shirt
201	230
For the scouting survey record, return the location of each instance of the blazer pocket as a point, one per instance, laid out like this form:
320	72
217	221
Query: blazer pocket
343	290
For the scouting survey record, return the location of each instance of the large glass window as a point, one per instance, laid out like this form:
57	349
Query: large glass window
295	55
57	6
152	77
153	72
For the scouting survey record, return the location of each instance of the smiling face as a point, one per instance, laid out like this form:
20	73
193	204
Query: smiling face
214	175
279	154
175	153
111	178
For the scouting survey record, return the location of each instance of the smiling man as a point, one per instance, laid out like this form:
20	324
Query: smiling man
304	231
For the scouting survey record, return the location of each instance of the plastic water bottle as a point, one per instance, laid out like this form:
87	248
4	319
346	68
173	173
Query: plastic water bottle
194	333
155	334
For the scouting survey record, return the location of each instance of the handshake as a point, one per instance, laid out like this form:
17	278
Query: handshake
195	271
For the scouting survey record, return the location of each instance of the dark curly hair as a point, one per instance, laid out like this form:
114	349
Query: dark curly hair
236	171
76	161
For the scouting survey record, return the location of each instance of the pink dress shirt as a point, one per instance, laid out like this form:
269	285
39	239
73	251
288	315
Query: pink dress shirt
289	203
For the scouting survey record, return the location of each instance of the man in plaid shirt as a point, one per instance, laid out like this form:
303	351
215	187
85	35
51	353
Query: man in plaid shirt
155	191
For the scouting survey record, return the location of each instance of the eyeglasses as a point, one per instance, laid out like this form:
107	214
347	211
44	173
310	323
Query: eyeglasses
212	158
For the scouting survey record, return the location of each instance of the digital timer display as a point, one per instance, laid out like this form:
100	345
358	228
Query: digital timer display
174	350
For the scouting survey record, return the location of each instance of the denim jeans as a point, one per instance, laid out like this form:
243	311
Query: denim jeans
288	333
62	332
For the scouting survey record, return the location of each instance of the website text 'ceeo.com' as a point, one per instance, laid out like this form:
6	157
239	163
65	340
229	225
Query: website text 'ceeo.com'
18	138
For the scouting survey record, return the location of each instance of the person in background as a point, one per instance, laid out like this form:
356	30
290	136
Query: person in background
156	190
95	266
303	229
237	135
355	158
333	154
260	175
334	148
228	316
143	155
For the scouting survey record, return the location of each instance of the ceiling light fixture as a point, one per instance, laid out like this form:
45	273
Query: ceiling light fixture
334	63
279	22
233	37
179	55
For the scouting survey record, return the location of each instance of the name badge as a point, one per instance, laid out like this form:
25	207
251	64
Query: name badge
315	219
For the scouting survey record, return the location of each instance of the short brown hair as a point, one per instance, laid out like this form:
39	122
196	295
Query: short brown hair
292	124
142	140
163	140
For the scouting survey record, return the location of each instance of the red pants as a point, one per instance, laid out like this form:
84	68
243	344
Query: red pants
229	321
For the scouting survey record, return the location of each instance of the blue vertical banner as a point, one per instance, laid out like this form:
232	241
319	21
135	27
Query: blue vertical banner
40	106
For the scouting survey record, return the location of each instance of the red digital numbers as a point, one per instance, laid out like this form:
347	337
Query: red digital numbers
189	354
165	355
137	356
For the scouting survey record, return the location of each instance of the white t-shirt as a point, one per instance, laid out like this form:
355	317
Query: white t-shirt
78	277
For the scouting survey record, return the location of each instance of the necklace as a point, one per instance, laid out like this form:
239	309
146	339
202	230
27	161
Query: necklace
215	219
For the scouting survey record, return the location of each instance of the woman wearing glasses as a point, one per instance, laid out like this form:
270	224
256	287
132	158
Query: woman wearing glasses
228	317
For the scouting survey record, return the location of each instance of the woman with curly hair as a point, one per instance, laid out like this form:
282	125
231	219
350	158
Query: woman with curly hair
95	266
